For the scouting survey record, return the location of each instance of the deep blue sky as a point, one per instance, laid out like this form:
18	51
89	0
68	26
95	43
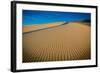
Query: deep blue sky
31	17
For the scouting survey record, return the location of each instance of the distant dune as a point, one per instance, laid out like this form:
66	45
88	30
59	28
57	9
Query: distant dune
29	28
67	42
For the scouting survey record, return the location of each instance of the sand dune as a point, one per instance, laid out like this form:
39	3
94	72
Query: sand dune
66	42
42	26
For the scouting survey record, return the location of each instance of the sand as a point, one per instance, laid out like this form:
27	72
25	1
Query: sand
29	28
67	42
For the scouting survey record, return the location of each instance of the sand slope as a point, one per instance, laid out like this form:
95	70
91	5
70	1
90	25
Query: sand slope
66	42
42	26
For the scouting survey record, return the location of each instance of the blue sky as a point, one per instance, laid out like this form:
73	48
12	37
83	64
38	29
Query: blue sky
32	17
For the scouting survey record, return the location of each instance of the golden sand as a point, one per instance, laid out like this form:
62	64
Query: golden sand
42	26
66	42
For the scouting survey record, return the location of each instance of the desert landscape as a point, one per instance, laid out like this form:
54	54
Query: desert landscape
56	41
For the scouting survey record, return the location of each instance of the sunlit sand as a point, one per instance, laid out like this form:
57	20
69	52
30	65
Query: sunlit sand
29	28
67	42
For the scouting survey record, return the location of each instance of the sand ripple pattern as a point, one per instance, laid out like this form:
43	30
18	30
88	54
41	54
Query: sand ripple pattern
66	42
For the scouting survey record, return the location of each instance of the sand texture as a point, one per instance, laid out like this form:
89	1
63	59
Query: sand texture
70	41
42	26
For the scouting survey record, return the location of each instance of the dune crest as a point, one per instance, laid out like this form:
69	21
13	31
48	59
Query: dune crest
40	26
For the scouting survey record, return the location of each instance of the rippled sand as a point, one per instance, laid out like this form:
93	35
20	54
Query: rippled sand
67	42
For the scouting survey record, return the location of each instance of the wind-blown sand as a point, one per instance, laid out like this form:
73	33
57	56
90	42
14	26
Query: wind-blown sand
67	42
